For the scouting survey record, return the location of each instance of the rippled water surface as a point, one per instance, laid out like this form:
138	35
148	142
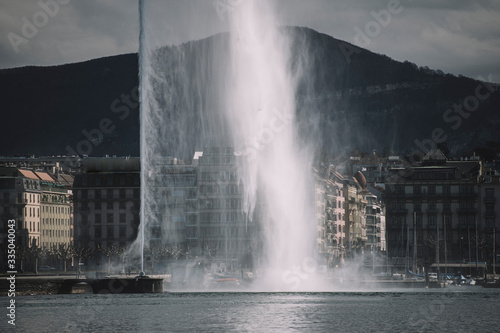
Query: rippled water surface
464	309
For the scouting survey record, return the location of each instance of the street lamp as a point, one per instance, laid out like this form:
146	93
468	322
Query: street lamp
461	258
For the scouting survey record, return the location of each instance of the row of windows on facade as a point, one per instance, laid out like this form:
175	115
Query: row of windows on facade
219	203
98	205
221	217
35	198
35	226
29	198
55	198
109	218
30	184
177	180
423	237
48	245
335	217
110	232
221	231
432	205
54	221
432	220
335	204
218	176
56	233
220	189
431	189
434	175
108	194
116	180
35	211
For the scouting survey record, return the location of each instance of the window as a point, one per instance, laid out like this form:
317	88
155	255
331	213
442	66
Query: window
490	210
123	218
432	190
123	231
471	221
446	190
98	218
109	218
98	232
432	221
400	191
417	190
110	232
419	220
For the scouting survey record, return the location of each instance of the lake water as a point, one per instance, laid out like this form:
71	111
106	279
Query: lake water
454	309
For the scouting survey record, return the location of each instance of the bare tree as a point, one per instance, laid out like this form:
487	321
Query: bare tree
22	253
63	252
82	253
36	253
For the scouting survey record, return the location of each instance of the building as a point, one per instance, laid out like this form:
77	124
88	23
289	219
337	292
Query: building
375	224
355	217
174	219
432	212
41	206
489	209
330	213
224	232
107	202
56	212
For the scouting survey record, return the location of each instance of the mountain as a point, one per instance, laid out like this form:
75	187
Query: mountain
355	98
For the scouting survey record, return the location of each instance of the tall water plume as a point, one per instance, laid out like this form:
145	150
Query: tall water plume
237	88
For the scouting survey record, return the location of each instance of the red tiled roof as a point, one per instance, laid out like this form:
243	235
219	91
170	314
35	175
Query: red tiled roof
28	174
44	176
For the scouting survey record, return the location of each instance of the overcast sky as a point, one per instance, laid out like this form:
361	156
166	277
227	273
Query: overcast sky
456	36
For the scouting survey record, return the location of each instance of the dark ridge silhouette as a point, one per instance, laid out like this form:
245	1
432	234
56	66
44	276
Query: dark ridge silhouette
350	98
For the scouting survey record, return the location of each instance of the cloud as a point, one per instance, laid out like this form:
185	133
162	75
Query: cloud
80	30
457	36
